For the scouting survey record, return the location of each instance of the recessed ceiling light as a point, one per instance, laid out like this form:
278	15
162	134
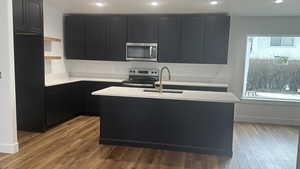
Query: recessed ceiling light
278	1
214	2
99	4
154	3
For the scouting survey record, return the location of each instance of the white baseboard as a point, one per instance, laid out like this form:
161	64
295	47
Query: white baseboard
9	148
267	120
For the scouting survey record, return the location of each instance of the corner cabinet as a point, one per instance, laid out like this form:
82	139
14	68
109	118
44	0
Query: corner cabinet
28	16
74	35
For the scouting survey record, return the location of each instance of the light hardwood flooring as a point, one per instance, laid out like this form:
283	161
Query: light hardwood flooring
74	145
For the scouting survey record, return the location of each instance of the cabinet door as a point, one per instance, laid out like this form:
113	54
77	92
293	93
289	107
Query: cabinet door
169	38
74	37
29	77
192	39
96	35
117	37
19	7
142	29
34	15
54	103
216	38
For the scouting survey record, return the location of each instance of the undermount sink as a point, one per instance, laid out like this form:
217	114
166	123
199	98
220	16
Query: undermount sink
164	91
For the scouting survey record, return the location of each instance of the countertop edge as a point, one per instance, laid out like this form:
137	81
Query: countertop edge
233	99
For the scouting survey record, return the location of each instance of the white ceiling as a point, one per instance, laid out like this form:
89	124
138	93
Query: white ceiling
233	7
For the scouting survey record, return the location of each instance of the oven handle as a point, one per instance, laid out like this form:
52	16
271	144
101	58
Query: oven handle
151	48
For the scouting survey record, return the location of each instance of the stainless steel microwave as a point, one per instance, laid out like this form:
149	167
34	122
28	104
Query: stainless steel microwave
141	52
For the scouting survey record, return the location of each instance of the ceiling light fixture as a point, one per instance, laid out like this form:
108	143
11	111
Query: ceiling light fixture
99	4
278	1
154	3
214	2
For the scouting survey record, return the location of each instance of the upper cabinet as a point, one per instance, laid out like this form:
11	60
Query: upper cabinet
169	35
181	38
192	39
95	37
28	16
74	35
216	38
116	38
142	29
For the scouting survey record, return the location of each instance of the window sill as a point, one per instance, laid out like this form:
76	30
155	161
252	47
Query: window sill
251	100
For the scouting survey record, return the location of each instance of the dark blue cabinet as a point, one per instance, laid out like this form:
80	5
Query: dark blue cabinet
182	38
28	16
74	34
142	29
95	37
169	36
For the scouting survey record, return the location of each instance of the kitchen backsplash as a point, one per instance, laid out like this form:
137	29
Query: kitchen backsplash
180	72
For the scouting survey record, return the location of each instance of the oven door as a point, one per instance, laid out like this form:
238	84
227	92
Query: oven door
141	52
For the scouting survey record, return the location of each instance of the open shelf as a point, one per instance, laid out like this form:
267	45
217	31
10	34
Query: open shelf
52	57
52	39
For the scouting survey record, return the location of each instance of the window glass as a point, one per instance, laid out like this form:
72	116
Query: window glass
272	71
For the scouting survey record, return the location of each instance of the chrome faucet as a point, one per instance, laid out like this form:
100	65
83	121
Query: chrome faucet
161	77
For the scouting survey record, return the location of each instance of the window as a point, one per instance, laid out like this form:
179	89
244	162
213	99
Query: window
282	41
270	72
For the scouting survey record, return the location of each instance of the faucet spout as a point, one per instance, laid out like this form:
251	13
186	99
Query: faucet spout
161	77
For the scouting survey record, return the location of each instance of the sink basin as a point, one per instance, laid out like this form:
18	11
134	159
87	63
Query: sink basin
164	91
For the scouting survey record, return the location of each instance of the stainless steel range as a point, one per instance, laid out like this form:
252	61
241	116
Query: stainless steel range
141	77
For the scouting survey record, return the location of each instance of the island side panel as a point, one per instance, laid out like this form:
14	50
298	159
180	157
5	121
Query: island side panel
191	126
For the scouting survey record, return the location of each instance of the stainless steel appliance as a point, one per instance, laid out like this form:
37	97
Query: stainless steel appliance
141	77
141	52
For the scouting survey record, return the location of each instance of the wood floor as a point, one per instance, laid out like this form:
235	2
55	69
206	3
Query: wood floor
74	145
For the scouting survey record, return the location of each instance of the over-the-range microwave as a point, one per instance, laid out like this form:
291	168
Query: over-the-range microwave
141	52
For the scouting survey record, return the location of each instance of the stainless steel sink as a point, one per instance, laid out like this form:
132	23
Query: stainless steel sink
164	91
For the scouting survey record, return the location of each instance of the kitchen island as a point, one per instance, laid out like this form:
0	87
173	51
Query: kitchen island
191	121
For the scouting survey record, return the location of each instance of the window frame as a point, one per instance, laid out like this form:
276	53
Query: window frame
246	70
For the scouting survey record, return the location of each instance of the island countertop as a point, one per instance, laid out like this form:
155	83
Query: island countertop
205	96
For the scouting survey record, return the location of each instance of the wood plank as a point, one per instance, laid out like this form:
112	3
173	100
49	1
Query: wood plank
74	145
52	57
52	39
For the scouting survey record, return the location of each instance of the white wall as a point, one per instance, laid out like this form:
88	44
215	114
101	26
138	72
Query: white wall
8	130
258	111
53	27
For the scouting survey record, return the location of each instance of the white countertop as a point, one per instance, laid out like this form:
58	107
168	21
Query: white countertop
55	82
205	96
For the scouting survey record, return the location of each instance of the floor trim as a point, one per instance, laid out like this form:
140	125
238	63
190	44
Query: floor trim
9	148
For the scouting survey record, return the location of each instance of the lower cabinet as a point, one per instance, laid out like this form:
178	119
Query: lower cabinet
63	102
66	101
